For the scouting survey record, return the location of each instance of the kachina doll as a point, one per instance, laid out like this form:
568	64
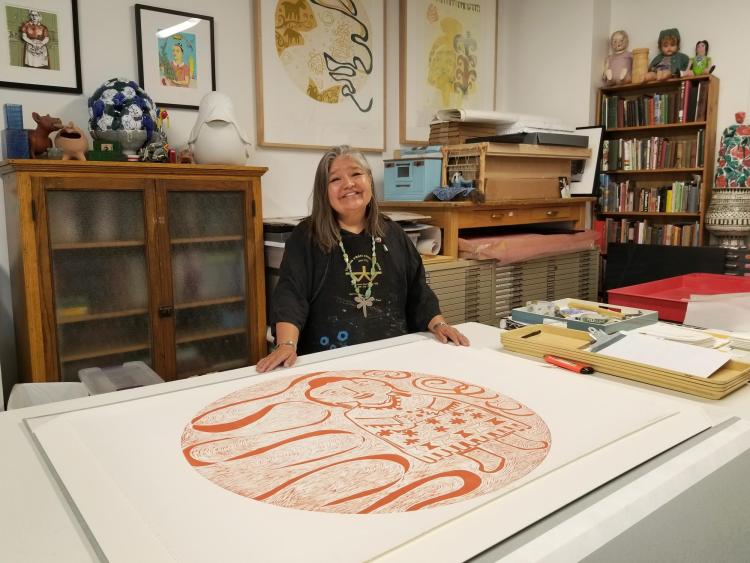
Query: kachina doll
669	62
619	64
701	62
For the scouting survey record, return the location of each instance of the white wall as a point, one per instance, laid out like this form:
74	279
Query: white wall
546	52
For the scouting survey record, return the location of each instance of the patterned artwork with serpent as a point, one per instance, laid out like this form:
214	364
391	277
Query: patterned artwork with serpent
365	441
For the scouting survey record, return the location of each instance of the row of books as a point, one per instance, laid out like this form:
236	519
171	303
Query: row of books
626	196
645	232
653	153
686	104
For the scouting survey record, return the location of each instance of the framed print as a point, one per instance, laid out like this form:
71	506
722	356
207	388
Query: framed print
448	60
584	174
41	50
175	56
320	73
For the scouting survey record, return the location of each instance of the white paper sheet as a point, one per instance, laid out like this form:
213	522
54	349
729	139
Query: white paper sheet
728	311
685	358
137	446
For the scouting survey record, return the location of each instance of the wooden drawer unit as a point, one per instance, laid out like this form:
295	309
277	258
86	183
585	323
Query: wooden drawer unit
454	216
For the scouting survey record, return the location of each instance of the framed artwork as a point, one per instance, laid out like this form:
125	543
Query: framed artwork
320	73
41	49
448	60
584	174
175	56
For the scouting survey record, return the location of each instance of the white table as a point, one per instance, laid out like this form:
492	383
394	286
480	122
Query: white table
38	524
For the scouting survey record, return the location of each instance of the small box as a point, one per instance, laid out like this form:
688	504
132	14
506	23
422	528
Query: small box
670	296
15	143
13	116
117	378
646	317
411	179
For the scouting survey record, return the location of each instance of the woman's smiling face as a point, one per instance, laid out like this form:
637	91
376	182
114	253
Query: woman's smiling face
349	187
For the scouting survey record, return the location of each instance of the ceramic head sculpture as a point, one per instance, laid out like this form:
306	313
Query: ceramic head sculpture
72	141
216	137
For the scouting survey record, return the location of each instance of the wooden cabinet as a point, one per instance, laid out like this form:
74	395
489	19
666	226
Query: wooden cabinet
659	137
115	262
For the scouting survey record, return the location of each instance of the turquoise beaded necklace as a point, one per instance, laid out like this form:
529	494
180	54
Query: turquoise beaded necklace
366	300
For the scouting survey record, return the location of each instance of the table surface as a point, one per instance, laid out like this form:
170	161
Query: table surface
38	524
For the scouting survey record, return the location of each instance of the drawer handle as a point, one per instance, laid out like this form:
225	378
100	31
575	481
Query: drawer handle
497	215
552	213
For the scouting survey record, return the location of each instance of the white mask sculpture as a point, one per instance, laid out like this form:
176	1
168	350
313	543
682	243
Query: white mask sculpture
216	137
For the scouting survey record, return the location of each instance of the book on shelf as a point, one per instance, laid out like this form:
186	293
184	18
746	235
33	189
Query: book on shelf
653	153
646	232
686	104
627	197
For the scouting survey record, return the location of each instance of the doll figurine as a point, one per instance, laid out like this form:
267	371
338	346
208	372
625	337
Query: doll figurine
618	65
669	62
701	63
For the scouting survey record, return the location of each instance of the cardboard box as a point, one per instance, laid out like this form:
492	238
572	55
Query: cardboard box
523	178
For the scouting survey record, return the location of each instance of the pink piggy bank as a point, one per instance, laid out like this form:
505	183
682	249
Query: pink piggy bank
72	141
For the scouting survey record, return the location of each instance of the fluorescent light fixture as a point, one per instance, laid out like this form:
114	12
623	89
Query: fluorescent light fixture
177	28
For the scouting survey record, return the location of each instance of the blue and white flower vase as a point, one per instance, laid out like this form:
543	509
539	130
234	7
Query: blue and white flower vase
120	110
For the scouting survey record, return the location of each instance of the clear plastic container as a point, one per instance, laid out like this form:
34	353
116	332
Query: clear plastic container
116	378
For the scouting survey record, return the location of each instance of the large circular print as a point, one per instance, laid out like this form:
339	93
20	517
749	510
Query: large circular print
364	441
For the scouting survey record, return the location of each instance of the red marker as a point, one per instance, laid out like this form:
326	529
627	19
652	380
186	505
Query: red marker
568	364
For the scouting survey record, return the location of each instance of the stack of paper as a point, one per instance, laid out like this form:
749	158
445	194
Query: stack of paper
680	334
740	340
726	311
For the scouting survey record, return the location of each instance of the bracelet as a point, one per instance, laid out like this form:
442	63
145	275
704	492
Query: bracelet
291	343
438	325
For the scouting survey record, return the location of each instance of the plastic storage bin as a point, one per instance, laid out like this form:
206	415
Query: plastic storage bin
411	179
116	378
670	296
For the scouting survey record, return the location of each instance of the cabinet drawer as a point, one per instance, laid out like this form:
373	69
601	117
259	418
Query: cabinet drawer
554	213
492	217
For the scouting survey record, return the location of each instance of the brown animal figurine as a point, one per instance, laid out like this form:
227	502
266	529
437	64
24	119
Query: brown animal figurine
39	140
72	141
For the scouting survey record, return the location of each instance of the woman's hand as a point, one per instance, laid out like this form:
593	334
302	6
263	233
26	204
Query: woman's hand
284	354
446	333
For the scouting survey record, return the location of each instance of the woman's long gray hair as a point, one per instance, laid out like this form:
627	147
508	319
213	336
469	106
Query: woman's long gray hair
324	226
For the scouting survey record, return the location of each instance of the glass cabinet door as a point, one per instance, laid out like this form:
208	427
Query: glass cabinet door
99	277
208	257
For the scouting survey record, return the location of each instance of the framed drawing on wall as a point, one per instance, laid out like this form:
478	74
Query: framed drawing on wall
448	60
175	56
41	50
320	73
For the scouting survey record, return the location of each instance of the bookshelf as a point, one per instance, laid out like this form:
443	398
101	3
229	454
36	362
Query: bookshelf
657	160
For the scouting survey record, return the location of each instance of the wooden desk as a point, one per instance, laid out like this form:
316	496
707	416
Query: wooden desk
453	216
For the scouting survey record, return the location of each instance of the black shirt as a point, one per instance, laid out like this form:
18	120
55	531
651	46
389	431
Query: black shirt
315	293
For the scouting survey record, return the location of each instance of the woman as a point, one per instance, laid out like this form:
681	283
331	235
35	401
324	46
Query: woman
349	275
180	69
35	37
